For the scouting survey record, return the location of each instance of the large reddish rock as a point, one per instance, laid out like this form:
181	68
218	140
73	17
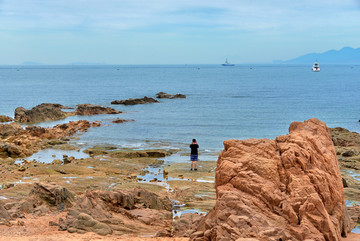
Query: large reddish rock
289	188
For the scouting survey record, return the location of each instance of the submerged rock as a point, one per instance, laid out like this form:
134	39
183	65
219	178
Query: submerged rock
163	95
145	100
120	121
289	188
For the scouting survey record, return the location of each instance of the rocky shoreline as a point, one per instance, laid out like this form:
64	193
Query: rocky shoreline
124	193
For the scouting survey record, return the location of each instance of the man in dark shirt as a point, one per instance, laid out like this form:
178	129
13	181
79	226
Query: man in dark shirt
194	154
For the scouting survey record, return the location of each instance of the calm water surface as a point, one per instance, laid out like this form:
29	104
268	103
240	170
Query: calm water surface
222	103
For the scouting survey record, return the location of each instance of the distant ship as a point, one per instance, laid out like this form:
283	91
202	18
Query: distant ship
227	63
316	67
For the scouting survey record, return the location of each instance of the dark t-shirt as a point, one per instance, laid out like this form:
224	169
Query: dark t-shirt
194	149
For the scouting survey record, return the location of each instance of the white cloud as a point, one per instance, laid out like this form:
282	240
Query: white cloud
243	15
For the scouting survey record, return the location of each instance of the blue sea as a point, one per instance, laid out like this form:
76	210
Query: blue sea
240	102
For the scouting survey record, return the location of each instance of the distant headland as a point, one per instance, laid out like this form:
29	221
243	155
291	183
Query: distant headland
346	55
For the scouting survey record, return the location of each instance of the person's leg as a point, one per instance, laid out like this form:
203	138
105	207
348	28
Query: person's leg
191	165
195	163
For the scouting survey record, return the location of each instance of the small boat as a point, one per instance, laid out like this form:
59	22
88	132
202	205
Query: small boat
316	67
227	63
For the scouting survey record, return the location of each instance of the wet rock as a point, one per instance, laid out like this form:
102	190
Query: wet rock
153	153
4	118
99	150
41	113
89	109
22	168
145	100
289	188
57	162
163	95
67	160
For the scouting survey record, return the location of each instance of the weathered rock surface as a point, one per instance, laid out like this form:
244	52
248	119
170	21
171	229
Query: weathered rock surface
53	195
119	212
347	147
51	112
289	188
186	225
163	95
89	109
145	100
4	118
43	199
18	142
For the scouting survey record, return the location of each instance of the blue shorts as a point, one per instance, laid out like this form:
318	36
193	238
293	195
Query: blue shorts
193	158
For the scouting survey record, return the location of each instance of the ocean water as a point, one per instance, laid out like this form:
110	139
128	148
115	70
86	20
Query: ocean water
240	102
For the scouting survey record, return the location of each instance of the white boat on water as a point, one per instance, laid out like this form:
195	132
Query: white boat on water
316	67
227	63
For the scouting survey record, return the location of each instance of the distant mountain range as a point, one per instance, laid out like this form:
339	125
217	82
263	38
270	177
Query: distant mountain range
345	55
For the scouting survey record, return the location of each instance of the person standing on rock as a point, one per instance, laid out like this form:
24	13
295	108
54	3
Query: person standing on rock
194	154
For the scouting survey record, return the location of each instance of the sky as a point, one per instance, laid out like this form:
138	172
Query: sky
173	31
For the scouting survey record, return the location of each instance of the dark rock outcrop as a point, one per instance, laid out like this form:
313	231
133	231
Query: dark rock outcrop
289	188
89	109
119	212
52	112
40	113
163	95
138	101
4	118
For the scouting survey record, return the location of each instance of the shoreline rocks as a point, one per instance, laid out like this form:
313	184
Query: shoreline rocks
138	101
4	118
289	188
18	142
51	112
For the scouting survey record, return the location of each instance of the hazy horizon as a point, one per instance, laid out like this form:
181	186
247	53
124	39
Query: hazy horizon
128	32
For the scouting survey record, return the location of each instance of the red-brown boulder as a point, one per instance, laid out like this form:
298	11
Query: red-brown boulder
289	188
